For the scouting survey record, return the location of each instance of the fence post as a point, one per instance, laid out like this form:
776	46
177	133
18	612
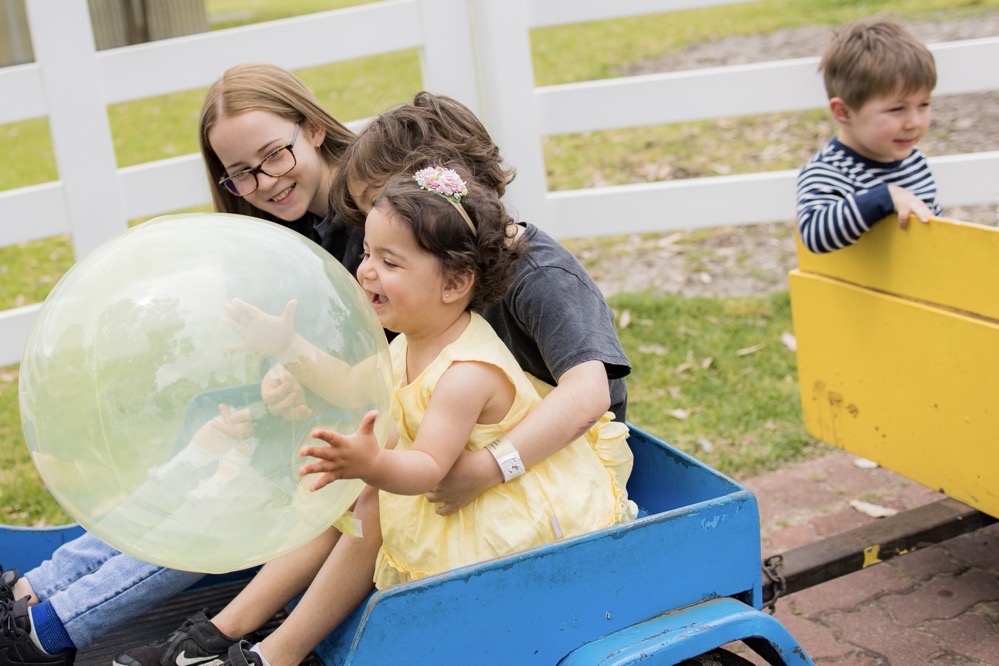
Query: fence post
78	120
506	72
448	56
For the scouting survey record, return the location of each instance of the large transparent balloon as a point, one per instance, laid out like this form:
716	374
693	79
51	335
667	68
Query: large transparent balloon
172	375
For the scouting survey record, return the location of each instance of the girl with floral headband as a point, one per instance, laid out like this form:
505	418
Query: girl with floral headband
553	318
438	250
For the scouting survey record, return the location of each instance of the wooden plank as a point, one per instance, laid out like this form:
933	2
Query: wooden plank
195	61
710	92
906	384
867	545
944	262
29	100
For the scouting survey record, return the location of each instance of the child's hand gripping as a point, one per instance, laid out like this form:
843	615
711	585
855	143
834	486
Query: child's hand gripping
261	332
220	433
907	204
345	456
284	395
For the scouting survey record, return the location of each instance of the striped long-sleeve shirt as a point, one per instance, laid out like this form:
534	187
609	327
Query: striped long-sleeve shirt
841	194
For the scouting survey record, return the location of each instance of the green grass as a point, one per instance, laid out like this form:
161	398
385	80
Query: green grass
741	410
600	49
689	150
713	377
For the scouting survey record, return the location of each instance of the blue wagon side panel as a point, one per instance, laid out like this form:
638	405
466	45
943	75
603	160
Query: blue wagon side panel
27	547
700	541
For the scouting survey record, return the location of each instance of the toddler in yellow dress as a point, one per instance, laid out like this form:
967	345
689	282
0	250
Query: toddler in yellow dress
436	249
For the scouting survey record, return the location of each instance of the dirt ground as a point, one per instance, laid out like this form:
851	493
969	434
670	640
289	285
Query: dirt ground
755	259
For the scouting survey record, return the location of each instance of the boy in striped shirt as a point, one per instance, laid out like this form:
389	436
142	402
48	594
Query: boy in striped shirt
879	79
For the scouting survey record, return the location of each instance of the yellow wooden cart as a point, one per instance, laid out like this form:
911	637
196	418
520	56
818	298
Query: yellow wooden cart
898	362
898	352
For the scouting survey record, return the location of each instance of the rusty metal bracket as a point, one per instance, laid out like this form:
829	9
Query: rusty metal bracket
773	581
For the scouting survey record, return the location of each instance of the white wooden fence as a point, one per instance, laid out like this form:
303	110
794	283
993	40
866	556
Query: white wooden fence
475	50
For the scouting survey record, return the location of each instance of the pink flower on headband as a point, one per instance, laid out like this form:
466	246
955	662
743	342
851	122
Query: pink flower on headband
442	181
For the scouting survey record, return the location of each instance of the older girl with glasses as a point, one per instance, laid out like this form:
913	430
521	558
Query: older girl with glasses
271	151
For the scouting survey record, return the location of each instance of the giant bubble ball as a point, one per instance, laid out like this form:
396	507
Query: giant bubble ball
172	375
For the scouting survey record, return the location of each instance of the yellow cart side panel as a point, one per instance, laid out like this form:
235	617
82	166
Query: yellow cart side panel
945	262
910	386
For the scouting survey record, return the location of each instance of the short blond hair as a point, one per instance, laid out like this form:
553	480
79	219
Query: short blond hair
876	57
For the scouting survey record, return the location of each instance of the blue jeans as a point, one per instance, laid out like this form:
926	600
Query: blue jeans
93	587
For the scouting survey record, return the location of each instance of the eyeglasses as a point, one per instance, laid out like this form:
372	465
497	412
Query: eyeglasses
277	163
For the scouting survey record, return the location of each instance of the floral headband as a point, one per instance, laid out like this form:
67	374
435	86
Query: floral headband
447	184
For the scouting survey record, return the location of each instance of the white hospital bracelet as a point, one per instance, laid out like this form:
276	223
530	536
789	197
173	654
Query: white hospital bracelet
507	458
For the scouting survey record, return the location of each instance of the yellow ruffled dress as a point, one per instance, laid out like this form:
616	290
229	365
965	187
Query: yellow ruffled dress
579	489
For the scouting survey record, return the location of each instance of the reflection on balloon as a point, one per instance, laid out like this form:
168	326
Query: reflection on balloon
163	430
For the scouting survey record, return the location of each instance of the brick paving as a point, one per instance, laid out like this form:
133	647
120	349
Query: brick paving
937	605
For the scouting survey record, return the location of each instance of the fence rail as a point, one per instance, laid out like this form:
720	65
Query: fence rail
72	84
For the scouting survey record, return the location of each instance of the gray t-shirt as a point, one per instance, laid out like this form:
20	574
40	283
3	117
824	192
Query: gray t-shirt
554	317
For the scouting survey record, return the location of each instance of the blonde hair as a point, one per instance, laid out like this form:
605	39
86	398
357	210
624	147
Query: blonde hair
264	87
877	57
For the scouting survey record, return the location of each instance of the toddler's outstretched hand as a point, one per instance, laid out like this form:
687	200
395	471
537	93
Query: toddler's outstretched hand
261	332
345	456
906	204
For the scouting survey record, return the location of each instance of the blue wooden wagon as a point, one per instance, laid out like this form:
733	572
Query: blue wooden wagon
680	581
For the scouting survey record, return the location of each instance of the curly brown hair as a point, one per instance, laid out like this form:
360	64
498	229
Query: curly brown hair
430	129
492	253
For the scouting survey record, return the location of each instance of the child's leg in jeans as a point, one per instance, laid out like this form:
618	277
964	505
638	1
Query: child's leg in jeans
343	582
122	589
276	584
92	587
69	562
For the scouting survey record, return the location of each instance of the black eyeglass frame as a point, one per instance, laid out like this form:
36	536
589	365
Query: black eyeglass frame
227	180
